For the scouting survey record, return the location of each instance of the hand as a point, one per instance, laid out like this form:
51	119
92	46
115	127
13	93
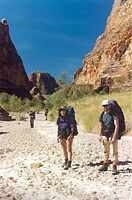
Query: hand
113	140
70	136
58	139
100	138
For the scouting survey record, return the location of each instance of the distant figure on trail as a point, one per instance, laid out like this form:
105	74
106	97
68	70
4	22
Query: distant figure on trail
46	113
32	118
65	135
108	134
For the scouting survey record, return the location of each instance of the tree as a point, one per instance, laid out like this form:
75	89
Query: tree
63	77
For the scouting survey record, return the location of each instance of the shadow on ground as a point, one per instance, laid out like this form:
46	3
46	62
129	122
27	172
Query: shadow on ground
127	170
1	133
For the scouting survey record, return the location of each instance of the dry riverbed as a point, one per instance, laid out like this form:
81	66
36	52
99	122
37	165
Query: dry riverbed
30	167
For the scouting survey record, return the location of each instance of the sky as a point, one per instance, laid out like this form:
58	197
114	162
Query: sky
54	36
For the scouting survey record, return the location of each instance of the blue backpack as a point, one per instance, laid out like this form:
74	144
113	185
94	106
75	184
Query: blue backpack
32	114
71	114
116	109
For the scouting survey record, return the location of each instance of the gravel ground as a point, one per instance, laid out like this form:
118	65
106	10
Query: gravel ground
30	167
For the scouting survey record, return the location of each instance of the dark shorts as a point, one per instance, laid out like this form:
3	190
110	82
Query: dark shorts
64	134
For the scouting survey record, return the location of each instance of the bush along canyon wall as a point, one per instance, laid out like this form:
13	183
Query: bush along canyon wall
13	78
109	65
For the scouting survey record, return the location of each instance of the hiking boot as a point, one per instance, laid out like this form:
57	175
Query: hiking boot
104	167
68	165
114	172
65	163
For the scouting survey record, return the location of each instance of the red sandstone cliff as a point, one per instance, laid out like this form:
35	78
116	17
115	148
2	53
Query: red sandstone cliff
109	65
13	78
42	83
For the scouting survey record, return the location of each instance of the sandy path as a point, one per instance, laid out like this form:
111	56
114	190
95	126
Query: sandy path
30	167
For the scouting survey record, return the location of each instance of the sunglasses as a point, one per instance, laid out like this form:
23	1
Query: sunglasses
105	105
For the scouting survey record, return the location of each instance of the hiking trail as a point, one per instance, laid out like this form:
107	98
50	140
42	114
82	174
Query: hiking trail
31	159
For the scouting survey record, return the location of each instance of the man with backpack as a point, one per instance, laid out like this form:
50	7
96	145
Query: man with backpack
108	133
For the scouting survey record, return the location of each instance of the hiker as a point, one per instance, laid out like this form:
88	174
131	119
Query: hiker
46	113
108	134
32	118
65	135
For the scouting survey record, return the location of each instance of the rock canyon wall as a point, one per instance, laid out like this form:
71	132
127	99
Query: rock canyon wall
13	78
109	65
42	83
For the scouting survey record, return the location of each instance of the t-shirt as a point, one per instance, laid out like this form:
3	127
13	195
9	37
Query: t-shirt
64	122
108	123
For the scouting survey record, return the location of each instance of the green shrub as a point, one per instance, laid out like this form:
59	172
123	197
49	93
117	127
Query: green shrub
120	79
53	115
37	104
58	98
102	93
66	94
4	98
15	104
80	92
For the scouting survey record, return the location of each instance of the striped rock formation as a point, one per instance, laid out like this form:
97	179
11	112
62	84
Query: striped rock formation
109	65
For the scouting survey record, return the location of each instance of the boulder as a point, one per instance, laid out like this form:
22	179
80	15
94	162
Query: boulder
4	116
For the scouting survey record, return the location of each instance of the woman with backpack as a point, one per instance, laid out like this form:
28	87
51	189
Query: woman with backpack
65	135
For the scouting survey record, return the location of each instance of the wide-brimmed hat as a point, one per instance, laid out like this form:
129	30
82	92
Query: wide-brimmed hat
63	108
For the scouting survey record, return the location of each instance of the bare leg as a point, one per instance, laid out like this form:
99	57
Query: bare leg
69	148
64	146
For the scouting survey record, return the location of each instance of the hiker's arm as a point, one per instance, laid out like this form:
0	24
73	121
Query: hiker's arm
58	134
116	123
72	131
100	133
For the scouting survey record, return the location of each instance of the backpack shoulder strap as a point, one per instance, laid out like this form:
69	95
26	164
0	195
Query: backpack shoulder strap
111	114
102	115
58	119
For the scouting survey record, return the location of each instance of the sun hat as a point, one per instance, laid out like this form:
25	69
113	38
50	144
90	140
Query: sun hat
105	102
62	108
